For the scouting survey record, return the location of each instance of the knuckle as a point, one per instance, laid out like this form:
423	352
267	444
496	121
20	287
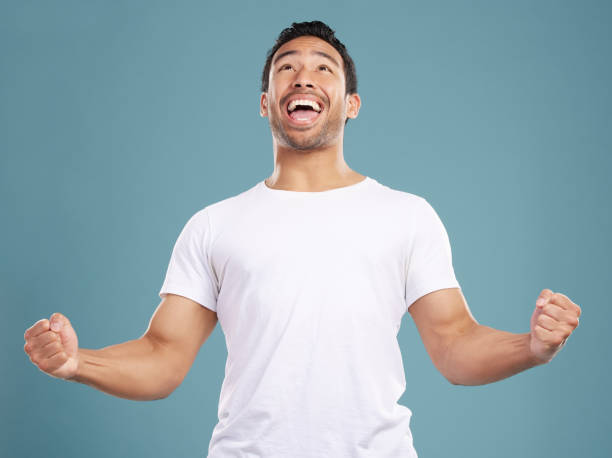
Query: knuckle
573	323
542	319
559	336
47	337
544	337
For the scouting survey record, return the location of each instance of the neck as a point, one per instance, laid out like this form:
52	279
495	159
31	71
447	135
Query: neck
316	169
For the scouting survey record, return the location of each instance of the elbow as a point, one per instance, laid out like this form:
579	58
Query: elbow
443	365
450	379
168	392
447	375
454	382
162	395
173	385
164	391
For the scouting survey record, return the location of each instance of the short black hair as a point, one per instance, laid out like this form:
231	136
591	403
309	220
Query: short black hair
316	29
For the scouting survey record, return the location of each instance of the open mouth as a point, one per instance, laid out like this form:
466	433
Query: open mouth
303	111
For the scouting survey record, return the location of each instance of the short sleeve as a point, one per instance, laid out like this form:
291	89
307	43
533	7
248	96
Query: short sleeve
430	265
190	273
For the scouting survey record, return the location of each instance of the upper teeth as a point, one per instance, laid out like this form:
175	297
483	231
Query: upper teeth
315	106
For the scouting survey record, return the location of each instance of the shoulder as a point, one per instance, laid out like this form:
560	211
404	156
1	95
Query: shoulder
408	201
230	206
222	209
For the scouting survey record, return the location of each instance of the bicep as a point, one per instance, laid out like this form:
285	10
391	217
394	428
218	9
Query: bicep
179	326
440	316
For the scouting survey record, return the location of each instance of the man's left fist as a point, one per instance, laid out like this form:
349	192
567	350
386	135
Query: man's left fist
554	319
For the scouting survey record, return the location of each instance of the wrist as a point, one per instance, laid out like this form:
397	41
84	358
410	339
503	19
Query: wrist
77	376
536	359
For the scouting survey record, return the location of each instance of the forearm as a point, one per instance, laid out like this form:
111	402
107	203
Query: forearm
485	355
137	369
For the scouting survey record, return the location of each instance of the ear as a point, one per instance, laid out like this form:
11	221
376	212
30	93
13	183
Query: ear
263	104
354	103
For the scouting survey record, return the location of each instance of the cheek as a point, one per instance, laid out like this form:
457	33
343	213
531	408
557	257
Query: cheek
271	103
279	84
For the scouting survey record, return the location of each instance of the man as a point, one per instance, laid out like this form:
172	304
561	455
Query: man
309	273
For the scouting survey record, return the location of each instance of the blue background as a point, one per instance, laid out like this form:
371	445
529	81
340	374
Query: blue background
119	120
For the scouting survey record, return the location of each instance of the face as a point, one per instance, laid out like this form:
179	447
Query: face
306	102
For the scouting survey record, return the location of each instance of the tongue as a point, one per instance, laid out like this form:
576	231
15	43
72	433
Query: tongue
303	115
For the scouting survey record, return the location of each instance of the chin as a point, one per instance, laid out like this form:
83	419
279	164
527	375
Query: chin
301	139
304	147
304	143
300	142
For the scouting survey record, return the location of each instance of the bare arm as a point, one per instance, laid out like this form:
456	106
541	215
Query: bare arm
147	368
464	351
486	355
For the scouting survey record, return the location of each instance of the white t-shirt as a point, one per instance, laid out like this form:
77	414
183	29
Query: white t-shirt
310	289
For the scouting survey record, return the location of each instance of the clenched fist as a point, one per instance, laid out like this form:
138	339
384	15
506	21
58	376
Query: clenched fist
554	319
52	346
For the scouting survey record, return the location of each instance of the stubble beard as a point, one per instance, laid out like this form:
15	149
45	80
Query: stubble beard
330	130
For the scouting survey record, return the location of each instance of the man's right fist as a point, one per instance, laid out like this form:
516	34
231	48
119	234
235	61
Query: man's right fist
52	346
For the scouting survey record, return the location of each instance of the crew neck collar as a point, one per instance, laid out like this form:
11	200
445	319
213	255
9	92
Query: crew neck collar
341	190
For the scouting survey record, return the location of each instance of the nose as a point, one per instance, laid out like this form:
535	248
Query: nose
301	83
302	79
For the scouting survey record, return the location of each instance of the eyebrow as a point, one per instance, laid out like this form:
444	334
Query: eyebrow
320	53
